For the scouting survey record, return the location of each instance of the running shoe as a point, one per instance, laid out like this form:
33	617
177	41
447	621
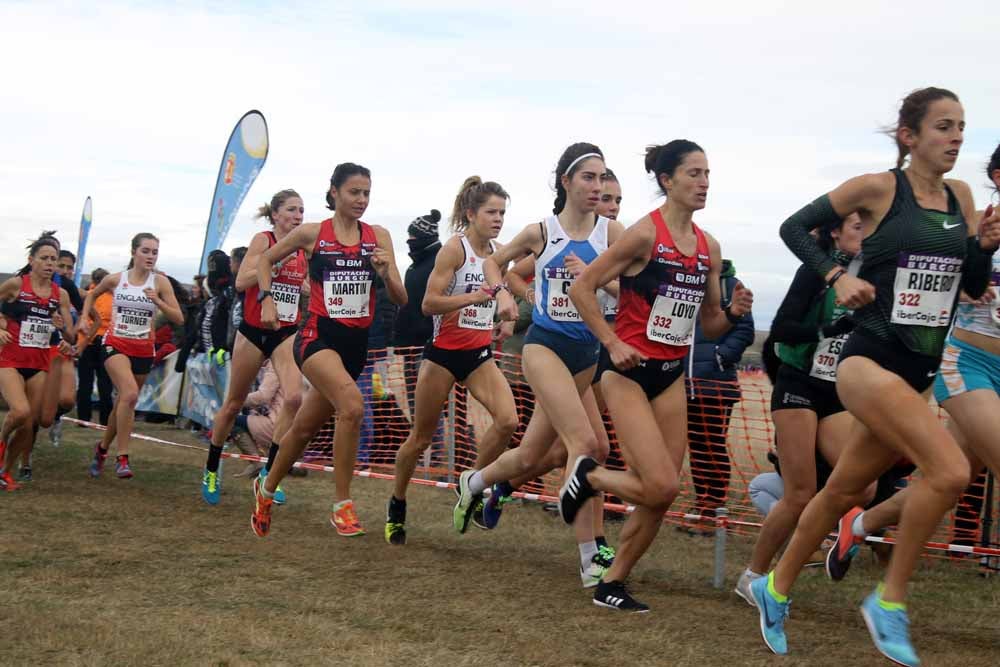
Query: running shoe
395	523
279	493
211	485
614	595
591	575
772	615
122	468
25	474
477	516
466	504
845	547
55	433
7	482
345	520
890	629
493	507
260	520
577	490
743	586
97	463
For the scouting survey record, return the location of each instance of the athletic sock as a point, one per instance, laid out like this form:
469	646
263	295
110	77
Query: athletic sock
397	510
587	552
772	591
476	483
600	541
264	492
271	455
214	454
858	527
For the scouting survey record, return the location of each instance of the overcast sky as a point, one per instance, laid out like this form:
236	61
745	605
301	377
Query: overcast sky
132	103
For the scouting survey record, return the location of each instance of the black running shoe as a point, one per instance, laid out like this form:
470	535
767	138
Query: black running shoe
25	475
477	516
614	595
577	490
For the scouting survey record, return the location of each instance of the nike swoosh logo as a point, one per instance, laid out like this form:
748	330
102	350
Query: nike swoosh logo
947	226
556	241
767	617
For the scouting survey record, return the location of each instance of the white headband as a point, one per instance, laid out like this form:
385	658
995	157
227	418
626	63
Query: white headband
582	157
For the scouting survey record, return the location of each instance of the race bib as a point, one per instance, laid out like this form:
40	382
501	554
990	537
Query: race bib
132	323
825	358
478	316
347	294
286	301
35	332
673	315
559	306
925	289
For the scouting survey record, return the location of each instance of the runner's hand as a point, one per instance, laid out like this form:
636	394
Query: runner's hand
989	229
66	349
482	295
853	292
742	300
5	337
988	297
506	308
623	355
380	262
502	331
269	314
574	264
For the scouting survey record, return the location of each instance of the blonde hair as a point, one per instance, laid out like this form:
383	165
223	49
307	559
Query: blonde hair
267	210
471	197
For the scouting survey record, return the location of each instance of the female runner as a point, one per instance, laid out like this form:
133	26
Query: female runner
128	344
560	352
462	305
919	251
28	301
255	344
344	255
669	274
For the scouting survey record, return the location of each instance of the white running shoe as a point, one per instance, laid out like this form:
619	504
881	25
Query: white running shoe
743	586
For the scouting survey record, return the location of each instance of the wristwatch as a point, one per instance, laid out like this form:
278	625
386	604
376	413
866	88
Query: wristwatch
263	294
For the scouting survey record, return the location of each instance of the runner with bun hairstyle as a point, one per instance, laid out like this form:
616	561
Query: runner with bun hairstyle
344	255
463	305
255	344
668	271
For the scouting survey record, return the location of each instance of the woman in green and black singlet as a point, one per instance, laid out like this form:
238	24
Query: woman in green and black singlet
919	252
810	328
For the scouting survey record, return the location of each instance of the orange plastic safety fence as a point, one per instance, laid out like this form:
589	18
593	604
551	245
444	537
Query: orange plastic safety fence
729	432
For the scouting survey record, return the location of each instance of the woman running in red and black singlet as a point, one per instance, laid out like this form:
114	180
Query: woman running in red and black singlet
331	348
669	276
28	301
137	293
256	343
463	305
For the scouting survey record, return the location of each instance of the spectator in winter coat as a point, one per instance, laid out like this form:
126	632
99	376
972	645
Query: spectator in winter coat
713	389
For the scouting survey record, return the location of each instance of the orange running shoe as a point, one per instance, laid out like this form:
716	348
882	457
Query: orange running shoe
260	521
843	551
7	482
345	520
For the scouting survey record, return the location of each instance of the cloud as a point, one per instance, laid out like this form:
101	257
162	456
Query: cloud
131	103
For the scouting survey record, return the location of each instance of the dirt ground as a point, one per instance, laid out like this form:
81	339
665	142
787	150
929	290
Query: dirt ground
142	572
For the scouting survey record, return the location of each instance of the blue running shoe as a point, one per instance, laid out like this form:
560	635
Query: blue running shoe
890	630
772	616
279	493
211	485
493	506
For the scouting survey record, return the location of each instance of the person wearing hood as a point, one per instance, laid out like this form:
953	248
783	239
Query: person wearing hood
713	390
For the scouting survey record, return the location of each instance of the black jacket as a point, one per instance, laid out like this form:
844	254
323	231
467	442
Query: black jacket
412	327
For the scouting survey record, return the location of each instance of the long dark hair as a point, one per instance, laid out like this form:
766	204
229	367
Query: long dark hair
341	173
570	156
46	239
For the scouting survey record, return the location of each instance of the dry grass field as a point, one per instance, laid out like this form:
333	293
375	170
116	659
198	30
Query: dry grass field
142	572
